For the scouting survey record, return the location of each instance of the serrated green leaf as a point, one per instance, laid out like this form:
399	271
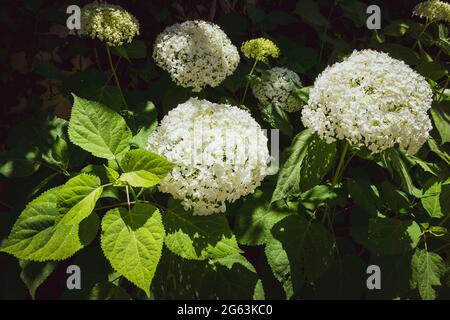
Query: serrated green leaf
98	129
139	159
278	261
112	174
440	113
437	150
197	237
427	270
277	118
394	161
108	291
431	200
38	233
226	278
255	219
140	178
35	273
132	242
302	170
58	156
78	196
388	236
309	247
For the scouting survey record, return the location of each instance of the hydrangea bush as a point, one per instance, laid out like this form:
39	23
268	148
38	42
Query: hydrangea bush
176	166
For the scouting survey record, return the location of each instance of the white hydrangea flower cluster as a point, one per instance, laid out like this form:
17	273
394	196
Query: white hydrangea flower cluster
220	151
276	87
196	53
370	99
108	22
433	10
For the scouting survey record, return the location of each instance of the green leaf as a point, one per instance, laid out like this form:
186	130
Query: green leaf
396	28
344	280
108	291
427	270
309	247
197	237
395	276
388	236
38	233
279	263
19	162
58	156
437	150
140	178
137	49
303	94
400	52
431	69
78	196
132	242
255	14
35	273
145	121
112	174
309	11
440	113
431	200
302	169
98	129
364	195
227	278
277	118
396	200
394	161
139	159
255	219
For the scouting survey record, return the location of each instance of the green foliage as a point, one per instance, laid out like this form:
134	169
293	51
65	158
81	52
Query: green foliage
132	242
427	270
98	129
303	169
86	189
198	237
40	234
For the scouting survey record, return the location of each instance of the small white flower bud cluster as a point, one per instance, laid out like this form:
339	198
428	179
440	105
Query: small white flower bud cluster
109	23
277	86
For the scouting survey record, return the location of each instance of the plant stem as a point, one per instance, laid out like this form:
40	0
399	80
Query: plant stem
134	194
427	24
339	169
113	70
121	204
128	199
248	82
443	89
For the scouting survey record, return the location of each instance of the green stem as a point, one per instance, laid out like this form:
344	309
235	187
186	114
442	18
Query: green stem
443	89
339	169
115	76
128	199
134	194
427	24
248	83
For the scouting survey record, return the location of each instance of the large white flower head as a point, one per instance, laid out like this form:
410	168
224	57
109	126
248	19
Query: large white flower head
196	54
277	86
108	22
370	99
220	151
